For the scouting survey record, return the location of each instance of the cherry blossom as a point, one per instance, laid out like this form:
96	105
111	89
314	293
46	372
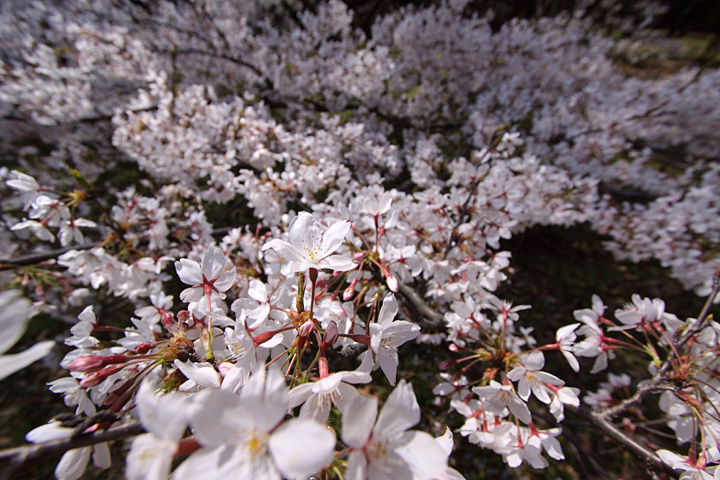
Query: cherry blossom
386	335
209	279
141	133
244	435
383	448
311	246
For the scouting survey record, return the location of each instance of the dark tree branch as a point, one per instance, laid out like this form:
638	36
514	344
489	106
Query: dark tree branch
35	258
429	320
657	379
343	360
648	456
18	457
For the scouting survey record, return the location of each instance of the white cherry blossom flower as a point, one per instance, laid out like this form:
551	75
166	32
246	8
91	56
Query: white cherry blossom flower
531	377
38	229
385	449
210	278
689	467
565	337
70	230
387	334
496	397
244	436
73	463
311	246
164	418
316	397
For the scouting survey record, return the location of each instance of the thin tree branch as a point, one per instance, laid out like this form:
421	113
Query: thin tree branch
34	258
659	376
652	461
19	456
342	360
429	321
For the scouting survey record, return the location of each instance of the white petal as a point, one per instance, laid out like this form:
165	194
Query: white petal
163	416
357	466
356	428
149	458
520	409
101	455
10	364
203	374
388	311
423	454
299	394
571	360
334	237
339	263
189	271
446	441
288	251
73	464
400	412
48	433
301	447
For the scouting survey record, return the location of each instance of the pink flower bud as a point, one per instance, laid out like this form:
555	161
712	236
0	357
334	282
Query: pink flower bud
446	364
93	363
144	348
349	292
96	378
306	329
331	334
323	367
87	363
264	337
359	256
167	320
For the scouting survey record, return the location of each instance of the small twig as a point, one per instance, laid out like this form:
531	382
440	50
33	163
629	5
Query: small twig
576	445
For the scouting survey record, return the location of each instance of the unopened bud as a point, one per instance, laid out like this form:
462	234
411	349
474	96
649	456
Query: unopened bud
349	292
359	256
264	337
87	363
323	367
167	320
446	364
306	329
93	363
144	348
331	334
96	378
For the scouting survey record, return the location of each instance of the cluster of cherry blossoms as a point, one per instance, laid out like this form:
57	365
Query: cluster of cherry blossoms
285	200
